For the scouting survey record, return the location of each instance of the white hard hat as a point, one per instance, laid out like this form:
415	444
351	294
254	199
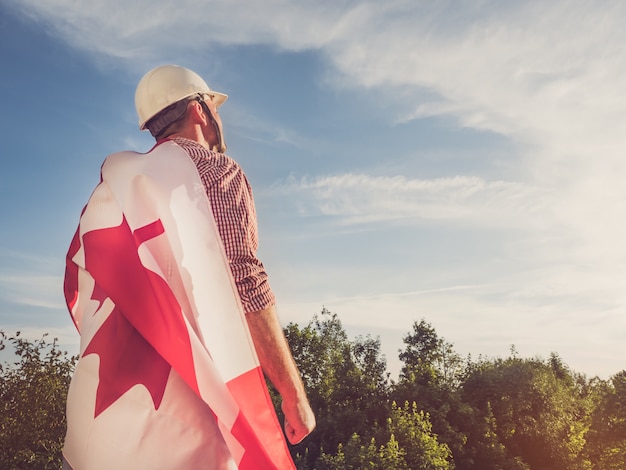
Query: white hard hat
166	85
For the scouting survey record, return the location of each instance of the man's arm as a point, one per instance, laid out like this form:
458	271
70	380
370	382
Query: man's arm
280	368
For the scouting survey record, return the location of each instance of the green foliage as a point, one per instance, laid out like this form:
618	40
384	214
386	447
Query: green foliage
535	409
606	440
348	387
410	446
429	359
430	376
346	381
33	392
490	414
413	430
355	455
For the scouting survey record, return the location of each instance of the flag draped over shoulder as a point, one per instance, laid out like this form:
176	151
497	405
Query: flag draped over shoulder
168	376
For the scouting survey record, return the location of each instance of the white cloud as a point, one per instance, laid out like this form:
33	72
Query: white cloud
470	319
547	75
261	130
25	280
143	30
32	290
360	198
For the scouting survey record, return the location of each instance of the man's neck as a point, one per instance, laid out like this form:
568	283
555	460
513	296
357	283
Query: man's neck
192	134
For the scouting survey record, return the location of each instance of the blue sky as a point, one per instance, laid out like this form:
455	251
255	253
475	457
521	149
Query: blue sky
460	162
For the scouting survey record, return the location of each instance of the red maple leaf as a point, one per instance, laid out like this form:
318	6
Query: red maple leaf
145	335
126	359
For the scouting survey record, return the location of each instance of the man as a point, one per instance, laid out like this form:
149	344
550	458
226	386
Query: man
165	287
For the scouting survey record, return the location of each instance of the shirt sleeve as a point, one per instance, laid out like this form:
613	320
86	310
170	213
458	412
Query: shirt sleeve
232	203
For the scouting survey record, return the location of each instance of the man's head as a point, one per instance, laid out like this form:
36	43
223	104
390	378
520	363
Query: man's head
165	94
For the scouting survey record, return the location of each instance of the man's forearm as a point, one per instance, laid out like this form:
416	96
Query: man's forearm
274	353
280	368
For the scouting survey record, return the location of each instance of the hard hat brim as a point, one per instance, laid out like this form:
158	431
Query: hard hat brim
218	98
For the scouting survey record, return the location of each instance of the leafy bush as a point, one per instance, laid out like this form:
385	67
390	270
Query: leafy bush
489	414
33	391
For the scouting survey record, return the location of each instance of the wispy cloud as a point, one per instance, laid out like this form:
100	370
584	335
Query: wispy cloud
143	30
516	68
256	129
32	290
31	281
360	198
548	76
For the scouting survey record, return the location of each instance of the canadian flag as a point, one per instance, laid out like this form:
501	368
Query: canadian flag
168	377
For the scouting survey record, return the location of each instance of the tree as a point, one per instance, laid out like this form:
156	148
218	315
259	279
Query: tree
486	449
430	376
413	431
33	392
493	414
429	359
346	382
356	456
606	442
410	446
540	412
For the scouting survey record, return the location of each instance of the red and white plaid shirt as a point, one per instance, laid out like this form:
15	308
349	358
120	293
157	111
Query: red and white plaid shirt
232	203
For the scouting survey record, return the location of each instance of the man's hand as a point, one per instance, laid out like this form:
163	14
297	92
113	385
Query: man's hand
299	420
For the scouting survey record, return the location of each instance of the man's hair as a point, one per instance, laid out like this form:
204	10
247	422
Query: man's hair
166	122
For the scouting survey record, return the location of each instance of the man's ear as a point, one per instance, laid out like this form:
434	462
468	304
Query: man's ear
197	113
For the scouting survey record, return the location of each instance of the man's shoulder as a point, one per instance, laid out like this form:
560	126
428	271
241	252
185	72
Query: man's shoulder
132	162
187	144
205	158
